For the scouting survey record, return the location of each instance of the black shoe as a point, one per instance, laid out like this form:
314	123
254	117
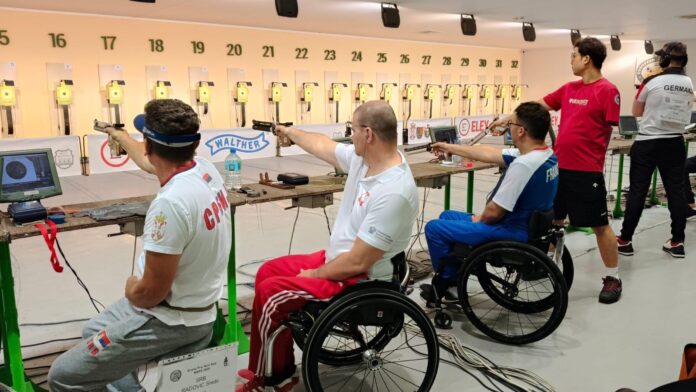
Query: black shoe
675	249
625	247
429	296
611	290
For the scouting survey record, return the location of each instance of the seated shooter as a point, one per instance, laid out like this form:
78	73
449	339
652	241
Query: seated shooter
529	184
375	221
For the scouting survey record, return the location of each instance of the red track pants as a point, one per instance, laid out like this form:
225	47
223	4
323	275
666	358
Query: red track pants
279	291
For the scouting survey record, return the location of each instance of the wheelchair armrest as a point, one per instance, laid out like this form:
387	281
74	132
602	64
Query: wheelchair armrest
540	224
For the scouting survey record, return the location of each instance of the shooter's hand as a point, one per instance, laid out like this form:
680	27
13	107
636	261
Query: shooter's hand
441	148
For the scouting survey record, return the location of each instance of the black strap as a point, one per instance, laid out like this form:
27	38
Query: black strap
193	309
66	120
662	134
10	123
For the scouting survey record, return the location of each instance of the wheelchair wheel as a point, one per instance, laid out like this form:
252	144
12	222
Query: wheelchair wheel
346	342
513	293
407	360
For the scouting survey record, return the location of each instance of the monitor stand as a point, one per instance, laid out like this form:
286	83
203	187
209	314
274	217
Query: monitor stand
27	211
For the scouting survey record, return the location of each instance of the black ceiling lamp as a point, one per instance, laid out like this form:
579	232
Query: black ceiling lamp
468	24
575	36
528	32
649	49
287	8
615	43
144	1
390	15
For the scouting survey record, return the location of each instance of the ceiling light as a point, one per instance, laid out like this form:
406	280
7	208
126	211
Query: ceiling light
390	15
287	8
528	32
468	24
649	47
615	42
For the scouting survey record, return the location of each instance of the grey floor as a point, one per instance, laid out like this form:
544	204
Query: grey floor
636	342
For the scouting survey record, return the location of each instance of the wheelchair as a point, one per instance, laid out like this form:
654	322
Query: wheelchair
370	335
511	291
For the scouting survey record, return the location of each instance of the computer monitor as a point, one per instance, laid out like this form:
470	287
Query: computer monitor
628	125
28	175
444	134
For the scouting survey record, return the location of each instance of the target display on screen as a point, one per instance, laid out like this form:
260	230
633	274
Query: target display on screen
27	175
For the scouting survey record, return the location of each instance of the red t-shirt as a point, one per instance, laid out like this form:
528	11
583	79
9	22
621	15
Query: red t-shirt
588	112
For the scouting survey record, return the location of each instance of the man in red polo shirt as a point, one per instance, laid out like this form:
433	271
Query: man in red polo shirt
589	108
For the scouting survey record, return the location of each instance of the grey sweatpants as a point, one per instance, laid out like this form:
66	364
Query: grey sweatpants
115	343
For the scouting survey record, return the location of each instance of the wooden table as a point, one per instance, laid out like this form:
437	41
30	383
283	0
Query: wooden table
318	193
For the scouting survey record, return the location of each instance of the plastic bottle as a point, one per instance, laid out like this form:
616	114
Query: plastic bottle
233	170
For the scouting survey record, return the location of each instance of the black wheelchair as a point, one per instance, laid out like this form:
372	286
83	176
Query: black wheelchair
370	335
513	292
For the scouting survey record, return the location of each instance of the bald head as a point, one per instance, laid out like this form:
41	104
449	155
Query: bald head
380	117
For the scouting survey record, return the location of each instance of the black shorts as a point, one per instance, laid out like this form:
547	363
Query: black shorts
582	196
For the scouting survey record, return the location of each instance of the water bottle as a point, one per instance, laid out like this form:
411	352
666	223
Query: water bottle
233	170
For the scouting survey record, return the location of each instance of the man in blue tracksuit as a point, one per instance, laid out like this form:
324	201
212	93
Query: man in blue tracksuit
529	184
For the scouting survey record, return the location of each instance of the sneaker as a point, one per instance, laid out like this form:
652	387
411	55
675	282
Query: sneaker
611	290
429	296
256	383
675	249
625	247
691	214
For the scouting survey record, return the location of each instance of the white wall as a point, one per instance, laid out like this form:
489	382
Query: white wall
545	70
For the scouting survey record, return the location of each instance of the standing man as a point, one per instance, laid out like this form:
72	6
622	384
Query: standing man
664	103
374	223
169	308
589	108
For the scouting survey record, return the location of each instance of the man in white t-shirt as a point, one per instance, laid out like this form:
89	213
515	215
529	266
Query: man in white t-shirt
374	223
664	103
169	308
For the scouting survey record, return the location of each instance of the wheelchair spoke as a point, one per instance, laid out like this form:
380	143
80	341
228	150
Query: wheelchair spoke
364	377
385	382
399	355
392	380
404	366
358	368
394	374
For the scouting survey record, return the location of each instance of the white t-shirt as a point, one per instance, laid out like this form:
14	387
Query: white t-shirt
667	97
190	216
381	210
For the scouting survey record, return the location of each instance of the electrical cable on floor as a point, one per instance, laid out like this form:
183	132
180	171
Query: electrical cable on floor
52	323
514	378
328	225
292	234
253	262
79	281
135	245
50	341
144	374
419	268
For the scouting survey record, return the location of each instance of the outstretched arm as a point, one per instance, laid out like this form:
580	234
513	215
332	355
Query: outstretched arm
135	149
477	153
317	144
